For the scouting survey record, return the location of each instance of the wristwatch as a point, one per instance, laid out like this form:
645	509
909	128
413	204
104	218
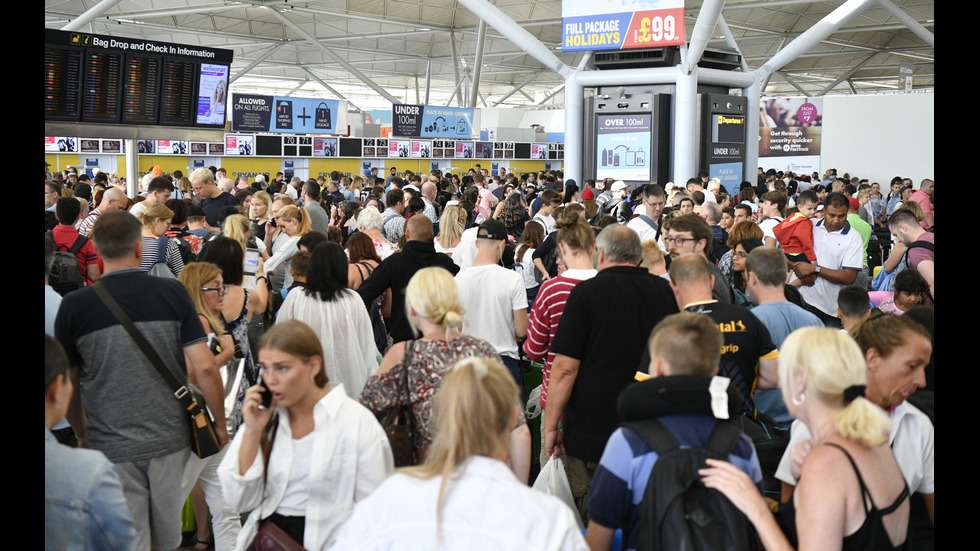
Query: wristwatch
817	269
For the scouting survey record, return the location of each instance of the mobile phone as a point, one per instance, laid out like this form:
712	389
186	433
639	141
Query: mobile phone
251	264
272	222
266	393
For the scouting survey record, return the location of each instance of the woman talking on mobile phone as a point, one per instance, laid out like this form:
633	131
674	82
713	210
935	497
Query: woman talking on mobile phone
300	465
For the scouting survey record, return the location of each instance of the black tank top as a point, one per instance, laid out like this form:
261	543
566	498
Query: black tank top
871	536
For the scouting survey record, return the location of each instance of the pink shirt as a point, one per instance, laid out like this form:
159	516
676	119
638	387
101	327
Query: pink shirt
922	198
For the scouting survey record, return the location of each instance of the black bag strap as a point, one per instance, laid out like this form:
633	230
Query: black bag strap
724	435
655	434
162	249
144	345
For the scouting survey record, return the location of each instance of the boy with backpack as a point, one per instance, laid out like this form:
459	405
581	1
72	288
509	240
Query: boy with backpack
673	420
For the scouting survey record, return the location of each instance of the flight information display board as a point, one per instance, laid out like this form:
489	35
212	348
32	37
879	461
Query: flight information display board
62	84
141	90
102	79
102	89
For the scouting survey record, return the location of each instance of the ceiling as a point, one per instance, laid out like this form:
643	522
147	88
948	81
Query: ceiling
392	44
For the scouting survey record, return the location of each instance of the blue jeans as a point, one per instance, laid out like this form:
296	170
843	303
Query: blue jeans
514	366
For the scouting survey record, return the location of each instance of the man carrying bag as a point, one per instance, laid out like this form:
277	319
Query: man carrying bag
123	406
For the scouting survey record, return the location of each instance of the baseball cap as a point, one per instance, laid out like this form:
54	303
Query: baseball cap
854	203
492	229
618	185
588	194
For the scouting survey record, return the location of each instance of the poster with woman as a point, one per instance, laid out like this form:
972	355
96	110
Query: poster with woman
212	94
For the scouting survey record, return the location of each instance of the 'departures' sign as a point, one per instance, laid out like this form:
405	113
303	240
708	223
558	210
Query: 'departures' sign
591	25
430	121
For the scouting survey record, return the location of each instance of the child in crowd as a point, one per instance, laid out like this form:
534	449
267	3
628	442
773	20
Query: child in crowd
795	234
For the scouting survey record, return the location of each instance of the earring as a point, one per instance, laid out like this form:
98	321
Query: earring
798	401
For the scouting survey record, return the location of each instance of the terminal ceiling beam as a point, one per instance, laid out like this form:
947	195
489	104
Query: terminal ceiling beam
328	87
255	63
350	68
481	38
846	75
909	22
704	27
90	15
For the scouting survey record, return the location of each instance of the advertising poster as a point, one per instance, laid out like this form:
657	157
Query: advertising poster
483	150
622	146
464	150
173	147
378	116
324	147
430	121
399	148
239	144
539	151
606	25
789	134
212	94
253	113
421	149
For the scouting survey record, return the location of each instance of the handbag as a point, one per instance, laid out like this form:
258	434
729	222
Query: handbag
204	441
399	424
272	538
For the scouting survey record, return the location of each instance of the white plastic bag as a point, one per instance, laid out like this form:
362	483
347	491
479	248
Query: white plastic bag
533	406
553	481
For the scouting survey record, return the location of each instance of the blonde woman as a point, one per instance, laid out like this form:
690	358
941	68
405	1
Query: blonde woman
204	284
450	229
432	506
822	375
157	247
294	222
259	212
412	371
238	227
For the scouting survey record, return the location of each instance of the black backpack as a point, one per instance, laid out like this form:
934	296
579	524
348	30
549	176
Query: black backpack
677	511
66	272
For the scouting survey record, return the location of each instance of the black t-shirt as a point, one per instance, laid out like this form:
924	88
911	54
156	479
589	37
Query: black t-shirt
746	342
212	207
606	324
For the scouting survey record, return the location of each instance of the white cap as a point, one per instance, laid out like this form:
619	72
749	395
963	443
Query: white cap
618	185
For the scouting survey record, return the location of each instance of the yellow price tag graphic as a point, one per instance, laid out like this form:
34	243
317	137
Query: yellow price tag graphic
656	29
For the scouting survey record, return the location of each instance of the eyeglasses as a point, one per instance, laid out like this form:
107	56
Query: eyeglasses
679	241
741	255
222	291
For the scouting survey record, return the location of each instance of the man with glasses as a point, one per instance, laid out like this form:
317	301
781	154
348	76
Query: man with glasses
689	233
51	195
647	224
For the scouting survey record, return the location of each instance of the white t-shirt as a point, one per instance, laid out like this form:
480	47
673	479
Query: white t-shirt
547	222
766	226
911	437
646	232
489	295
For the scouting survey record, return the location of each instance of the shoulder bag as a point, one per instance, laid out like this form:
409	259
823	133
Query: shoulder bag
399	423
204	441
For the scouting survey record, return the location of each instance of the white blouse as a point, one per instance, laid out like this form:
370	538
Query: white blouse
350	355
485	507
351	458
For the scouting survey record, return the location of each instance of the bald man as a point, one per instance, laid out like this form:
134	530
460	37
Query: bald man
113	199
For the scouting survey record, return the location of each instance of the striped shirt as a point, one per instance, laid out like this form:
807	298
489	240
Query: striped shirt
545	315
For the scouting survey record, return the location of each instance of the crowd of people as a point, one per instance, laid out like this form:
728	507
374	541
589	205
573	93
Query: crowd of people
366	346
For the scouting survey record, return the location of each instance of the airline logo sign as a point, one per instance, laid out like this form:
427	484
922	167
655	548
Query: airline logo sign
588	25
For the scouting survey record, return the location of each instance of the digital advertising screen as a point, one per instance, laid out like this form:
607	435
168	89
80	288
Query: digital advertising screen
464	150
399	148
324	147
539	151
112	146
240	145
173	147
421	149
483	150
623	146
212	95
199	148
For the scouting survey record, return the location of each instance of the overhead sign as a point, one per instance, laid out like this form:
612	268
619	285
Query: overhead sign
590	25
252	113
430	121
